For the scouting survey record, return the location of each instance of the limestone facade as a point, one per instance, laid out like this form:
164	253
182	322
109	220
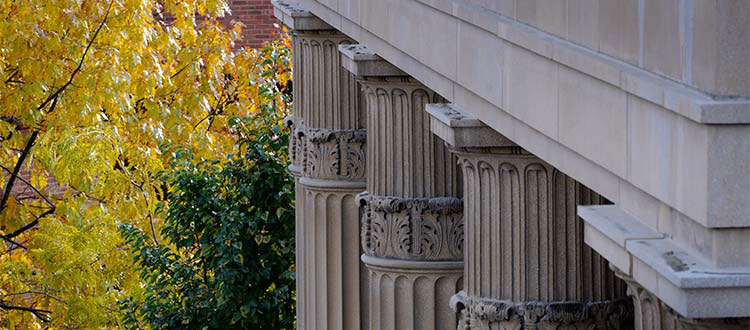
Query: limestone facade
526	164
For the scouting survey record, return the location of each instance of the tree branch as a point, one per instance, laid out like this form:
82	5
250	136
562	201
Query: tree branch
31	224
32	187
16	169
42	314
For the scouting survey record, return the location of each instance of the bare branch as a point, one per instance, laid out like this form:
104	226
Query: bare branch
32	187
42	314
16	169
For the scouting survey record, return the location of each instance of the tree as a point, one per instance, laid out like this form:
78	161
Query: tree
228	250
96	94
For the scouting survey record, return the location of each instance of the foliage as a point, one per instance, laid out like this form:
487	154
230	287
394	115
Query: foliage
92	94
226	261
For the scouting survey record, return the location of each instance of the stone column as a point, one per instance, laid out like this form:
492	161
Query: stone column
526	264
412	227
653	314
328	159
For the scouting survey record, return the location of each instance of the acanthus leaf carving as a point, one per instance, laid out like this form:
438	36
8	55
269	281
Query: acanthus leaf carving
480	313
335	154
412	228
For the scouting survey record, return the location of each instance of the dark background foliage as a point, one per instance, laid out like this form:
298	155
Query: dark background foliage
226	255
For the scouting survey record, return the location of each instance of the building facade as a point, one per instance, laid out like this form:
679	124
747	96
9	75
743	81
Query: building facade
509	164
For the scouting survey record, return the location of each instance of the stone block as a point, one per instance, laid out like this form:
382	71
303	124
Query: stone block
297	17
687	284
583	22
642	206
721	47
654	148
615	254
481	59
436	39
362	62
350	9
663	47
592	119
728	171
547	15
460	129
375	20
532	84
619	32
616	224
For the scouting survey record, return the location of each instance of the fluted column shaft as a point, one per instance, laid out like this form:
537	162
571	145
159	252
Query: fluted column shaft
327	152
526	264
412	226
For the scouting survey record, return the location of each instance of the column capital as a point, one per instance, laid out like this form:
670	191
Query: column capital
462	130
295	17
363	62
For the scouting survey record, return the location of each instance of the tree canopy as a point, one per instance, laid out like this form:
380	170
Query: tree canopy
98	96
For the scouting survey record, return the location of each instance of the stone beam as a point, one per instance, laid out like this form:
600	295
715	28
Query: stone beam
526	264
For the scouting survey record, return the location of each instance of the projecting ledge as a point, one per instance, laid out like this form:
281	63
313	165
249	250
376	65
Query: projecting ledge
461	130
363	62
688	284
297	18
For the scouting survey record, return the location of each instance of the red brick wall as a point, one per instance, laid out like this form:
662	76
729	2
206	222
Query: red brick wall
257	17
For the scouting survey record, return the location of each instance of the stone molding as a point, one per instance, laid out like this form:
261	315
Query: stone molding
412	228
479	313
653	314
335	154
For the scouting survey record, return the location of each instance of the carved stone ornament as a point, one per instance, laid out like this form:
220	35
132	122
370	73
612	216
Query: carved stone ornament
335	154
296	142
412	228
480	314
